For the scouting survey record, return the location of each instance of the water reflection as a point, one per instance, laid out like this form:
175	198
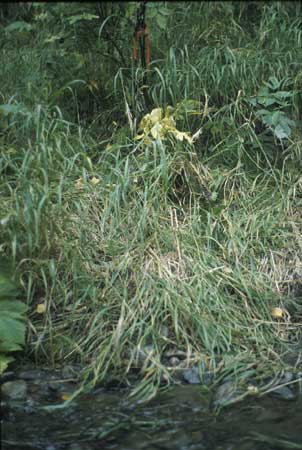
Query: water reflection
179	419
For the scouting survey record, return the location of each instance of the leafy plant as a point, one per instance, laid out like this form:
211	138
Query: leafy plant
272	101
12	320
161	124
18	26
160	13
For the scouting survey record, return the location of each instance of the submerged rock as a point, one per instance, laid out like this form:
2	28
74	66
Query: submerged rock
287	377
7	376
225	394
71	371
30	375
278	388
284	393
293	355
192	376
186	397
140	355
14	390
30	406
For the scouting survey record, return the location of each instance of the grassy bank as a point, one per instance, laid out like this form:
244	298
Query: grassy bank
128	243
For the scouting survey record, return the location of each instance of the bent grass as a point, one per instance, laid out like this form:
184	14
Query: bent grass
118	261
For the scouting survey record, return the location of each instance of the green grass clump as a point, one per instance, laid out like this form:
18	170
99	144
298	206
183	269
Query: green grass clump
167	244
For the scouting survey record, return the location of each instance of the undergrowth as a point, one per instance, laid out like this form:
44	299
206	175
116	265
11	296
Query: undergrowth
168	244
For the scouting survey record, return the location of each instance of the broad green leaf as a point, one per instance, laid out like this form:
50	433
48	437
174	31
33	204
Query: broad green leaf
152	12
267	119
6	268
283	94
12	326
263	92
276	117
287	120
13	307
282	131
4	362
12	320
12	334
266	101
8	347
262	112
273	83
164	11
7	289
161	22
252	101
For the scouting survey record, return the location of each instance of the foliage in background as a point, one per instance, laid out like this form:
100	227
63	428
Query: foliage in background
271	103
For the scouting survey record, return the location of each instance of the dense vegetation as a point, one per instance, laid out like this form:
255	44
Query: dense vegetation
124	235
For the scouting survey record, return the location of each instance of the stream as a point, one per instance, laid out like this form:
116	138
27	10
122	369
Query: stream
179	418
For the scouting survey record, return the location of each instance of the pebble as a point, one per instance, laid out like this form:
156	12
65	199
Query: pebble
14	390
174	361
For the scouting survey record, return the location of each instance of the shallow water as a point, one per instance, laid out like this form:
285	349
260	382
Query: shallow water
178	419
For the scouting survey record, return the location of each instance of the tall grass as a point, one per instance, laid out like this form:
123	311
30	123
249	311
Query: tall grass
167	245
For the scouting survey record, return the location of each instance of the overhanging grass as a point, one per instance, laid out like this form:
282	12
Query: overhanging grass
117	261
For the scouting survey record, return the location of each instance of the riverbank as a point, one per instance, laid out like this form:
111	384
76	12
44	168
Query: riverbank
164	237
117	266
